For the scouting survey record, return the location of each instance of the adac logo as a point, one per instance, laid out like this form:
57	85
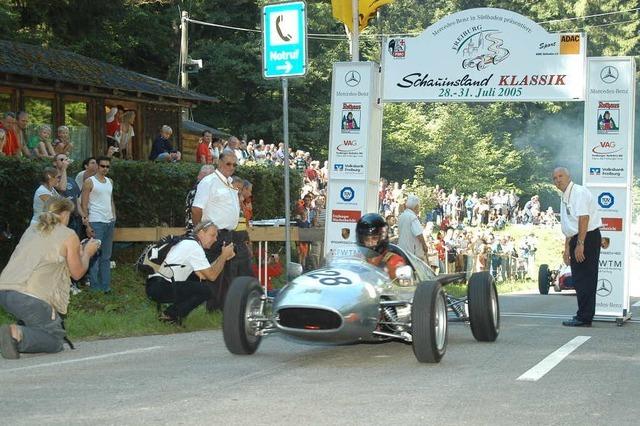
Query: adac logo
595	171
347	194
480	48
606	200
348	145
606	147
604	287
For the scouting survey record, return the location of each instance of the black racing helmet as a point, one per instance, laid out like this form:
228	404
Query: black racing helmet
368	225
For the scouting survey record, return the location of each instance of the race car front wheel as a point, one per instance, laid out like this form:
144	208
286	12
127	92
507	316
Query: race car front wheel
543	279
484	309
243	302
429	322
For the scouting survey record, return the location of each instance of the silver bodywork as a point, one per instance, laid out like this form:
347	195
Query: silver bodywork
349	301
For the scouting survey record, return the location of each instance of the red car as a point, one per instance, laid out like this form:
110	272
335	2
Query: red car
560	279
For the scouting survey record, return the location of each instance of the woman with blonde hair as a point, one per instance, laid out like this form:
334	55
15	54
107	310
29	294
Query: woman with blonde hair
125	134
40	144
63	145
35	284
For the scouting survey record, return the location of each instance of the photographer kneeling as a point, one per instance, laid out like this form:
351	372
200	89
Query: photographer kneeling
35	284
185	258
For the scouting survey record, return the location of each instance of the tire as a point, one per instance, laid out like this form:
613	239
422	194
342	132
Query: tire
243	299
543	279
429	326
484	308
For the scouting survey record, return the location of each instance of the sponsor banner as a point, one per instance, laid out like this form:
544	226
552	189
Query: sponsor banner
612	202
345	216
611	224
608	171
485	54
350	121
610	291
354	152
608	121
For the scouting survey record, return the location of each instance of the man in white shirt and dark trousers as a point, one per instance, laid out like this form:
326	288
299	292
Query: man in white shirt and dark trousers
581	226
410	229
217	200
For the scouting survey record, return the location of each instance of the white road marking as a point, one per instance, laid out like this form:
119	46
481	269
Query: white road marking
636	304
557	316
543	367
89	358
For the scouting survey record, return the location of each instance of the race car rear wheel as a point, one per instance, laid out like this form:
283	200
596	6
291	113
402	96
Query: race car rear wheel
429	322
242	302
484	309
543	279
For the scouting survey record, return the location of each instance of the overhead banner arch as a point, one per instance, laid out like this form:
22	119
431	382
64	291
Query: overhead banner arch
488	55
482	55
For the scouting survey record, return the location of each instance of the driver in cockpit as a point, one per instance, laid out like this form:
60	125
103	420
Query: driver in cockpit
373	240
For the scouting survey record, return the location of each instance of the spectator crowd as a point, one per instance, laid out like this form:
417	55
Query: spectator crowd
463	231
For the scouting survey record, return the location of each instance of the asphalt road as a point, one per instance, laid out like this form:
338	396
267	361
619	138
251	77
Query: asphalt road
192	379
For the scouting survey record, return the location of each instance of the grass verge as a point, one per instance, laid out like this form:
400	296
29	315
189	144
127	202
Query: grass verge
127	311
124	312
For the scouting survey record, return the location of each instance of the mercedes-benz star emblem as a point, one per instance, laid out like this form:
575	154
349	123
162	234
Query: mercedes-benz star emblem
609	74
352	78
604	288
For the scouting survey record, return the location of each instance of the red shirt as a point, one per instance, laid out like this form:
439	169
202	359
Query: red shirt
273	270
203	151
112	127
311	174
11	145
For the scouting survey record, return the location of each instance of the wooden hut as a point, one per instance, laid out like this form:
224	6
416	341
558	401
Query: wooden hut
58	87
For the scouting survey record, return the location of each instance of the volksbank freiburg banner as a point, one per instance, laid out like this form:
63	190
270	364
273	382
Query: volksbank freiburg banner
484	54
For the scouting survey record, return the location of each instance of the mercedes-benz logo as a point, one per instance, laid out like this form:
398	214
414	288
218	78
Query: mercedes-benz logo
352	78
609	74
604	287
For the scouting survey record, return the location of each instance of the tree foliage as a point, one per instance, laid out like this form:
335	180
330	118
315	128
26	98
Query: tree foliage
467	146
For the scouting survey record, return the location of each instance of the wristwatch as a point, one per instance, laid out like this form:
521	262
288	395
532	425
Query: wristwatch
580	242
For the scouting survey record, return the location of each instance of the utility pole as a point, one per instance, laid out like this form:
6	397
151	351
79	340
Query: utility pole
184	50
184	53
355	35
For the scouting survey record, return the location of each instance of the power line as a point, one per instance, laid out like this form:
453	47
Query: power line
606	25
342	37
589	16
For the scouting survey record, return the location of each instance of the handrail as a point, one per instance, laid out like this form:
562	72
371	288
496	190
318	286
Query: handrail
257	233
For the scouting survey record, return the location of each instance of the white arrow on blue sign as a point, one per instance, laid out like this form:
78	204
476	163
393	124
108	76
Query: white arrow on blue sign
284	40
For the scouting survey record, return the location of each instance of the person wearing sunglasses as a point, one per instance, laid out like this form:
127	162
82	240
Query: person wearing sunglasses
100	217
217	200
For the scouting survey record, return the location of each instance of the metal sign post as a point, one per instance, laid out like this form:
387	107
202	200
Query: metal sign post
287	185
284	55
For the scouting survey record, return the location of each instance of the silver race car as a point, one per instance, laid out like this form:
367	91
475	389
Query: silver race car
351	301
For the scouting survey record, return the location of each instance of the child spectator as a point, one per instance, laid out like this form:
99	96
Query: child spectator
63	145
40	144
162	149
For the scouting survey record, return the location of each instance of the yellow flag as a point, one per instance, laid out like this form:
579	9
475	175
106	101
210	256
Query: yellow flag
366	10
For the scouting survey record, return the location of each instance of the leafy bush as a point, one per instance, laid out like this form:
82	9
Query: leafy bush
145	193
